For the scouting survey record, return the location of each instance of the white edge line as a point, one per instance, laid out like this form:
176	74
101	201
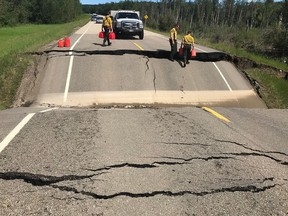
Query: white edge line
217	69
68	79
200	49
79	38
15	131
48	110
71	66
222	76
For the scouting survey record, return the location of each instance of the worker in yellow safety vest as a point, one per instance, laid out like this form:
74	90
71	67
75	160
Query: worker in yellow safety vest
106	28
188	43
173	41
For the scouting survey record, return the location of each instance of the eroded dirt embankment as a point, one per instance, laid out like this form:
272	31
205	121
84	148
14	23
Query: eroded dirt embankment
32	78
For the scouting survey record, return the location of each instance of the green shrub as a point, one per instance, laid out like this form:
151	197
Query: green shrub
273	89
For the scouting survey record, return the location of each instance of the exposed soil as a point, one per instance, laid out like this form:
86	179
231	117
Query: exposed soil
29	87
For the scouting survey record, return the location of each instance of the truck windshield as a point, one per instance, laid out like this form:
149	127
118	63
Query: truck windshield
127	15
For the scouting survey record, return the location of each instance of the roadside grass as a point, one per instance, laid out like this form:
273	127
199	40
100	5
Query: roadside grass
243	53
17	42
273	90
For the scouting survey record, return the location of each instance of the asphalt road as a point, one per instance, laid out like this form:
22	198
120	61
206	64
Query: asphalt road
134	71
172	158
162	161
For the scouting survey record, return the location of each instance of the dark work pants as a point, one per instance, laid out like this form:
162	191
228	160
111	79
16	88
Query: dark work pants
106	35
187	51
173	49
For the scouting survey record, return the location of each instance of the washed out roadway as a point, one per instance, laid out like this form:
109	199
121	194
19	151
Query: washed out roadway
138	72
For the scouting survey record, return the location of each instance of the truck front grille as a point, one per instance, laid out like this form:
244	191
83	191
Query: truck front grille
129	25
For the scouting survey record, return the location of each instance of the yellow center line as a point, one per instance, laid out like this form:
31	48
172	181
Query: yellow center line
138	46
216	114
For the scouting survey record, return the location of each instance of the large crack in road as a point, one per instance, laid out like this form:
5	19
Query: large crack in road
255	152
158	54
42	180
256	185
251	149
50	181
247	188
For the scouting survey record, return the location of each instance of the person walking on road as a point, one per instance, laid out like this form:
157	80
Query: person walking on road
106	28
188	43
173	41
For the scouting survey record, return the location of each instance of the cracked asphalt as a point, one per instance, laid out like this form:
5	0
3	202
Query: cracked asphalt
133	72
149	161
114	146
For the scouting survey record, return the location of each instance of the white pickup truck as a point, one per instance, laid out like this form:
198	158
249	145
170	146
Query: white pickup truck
127	22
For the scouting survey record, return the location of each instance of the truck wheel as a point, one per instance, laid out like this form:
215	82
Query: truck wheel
141	35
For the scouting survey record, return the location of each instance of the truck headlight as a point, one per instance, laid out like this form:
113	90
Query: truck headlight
140	25
118	24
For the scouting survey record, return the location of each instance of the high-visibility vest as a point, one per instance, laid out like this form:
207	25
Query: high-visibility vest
107	21
188	39
173	34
